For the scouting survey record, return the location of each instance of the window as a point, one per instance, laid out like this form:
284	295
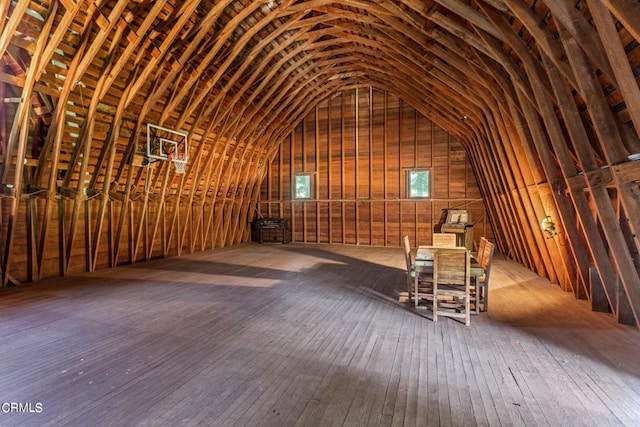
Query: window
418	183
302	186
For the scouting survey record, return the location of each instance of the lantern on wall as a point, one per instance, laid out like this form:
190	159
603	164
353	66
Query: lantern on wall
548	226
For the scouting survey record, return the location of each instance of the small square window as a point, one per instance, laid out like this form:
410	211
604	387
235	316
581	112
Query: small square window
303	188
418	184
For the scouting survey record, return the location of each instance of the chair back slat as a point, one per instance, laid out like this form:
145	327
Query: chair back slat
451	266
481	246
407	252
445	240
487	256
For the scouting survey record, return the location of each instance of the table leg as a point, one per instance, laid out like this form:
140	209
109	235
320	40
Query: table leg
415	287
478	293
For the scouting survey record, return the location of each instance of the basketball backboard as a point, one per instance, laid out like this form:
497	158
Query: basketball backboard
163	144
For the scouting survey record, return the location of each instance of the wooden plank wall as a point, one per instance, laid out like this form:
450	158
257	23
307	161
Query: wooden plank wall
129	250
358	146
153	221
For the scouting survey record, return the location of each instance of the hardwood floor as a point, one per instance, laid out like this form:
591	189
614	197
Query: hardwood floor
284	335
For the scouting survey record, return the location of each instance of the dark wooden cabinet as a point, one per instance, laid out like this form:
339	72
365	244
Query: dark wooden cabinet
271	230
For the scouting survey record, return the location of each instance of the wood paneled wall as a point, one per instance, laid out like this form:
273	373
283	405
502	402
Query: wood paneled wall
146	229
358	146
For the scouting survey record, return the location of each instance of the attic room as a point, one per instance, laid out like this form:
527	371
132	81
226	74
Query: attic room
232	212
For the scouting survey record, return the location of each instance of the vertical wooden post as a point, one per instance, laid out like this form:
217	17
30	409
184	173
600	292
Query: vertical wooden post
292	185
162	209
130	232
431	163
384	167
270	179
62	243
357	168
281	185
88	253
415	165
32	270
3	121
371	202
303	204
124	213
147	244
342	169
316	181
401	176
330	169
110	231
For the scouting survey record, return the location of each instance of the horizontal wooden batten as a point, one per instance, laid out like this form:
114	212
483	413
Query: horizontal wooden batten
418	201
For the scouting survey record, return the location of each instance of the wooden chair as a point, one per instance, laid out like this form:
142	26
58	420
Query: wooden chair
418	275
445	240
451	284
477	257
480	275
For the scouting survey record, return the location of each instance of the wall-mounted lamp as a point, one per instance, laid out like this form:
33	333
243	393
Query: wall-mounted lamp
549	226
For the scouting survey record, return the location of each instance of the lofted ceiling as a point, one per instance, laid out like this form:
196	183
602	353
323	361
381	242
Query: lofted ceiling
552	84
254	69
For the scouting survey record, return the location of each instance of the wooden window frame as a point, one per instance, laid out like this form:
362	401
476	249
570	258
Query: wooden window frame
310	185
407	178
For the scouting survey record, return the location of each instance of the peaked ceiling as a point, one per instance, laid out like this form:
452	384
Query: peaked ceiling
254	69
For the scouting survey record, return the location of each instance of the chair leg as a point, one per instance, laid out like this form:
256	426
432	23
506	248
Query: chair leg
478	295
416	280
481	297
467	310
485	297
435	302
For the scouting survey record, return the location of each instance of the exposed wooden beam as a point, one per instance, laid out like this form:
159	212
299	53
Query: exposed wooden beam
17	142
628	12
618	58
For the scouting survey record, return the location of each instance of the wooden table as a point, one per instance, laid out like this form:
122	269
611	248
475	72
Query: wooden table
425	254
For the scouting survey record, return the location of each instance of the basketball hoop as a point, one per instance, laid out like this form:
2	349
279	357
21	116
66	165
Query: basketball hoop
179	161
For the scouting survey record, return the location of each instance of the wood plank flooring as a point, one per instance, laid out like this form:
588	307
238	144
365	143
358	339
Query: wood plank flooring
306	335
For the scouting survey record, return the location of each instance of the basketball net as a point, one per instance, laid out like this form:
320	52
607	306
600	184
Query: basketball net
179	161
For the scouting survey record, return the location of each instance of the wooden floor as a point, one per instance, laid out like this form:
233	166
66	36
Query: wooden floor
283	335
